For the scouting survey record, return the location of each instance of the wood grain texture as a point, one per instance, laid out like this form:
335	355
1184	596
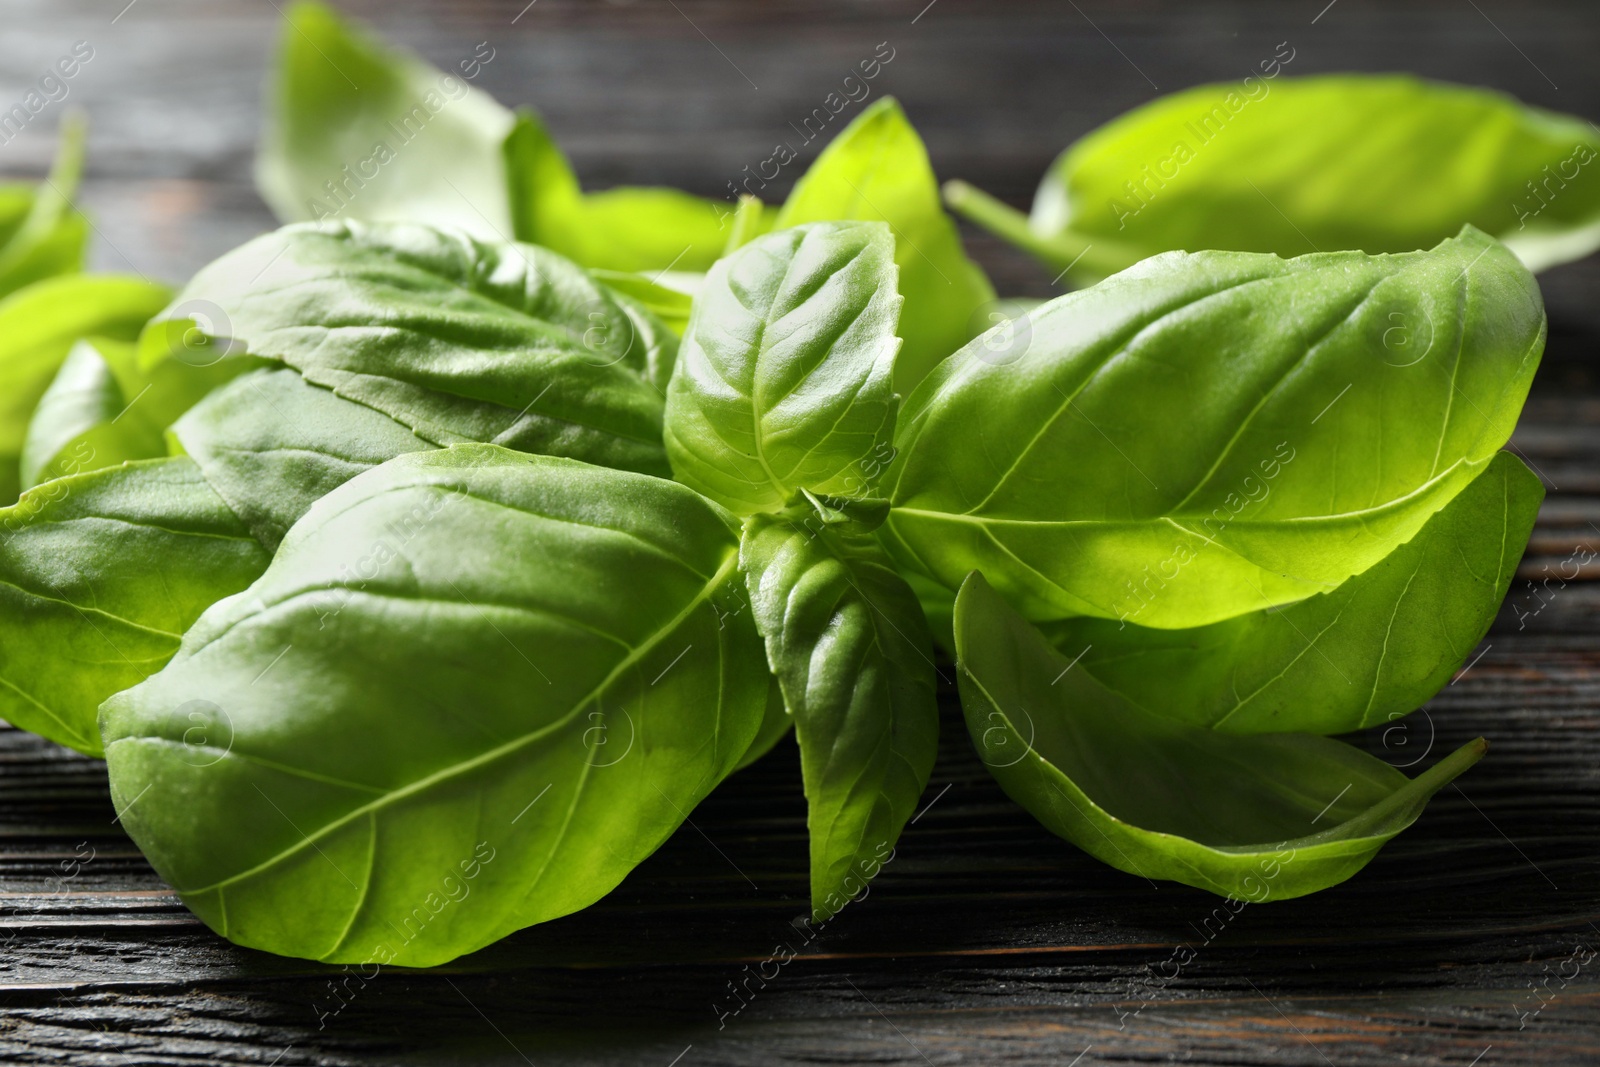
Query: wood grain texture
986	940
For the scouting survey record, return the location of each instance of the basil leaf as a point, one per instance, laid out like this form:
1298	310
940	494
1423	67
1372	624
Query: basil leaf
1254	818
1380	163
111	402
626	229
419	355
392	700
669	305
458	339
783	381
848	645
38	327
877	169
1367	653
1329	405
359	130
100	574
272	445
775	723
82	399
751	219
41	235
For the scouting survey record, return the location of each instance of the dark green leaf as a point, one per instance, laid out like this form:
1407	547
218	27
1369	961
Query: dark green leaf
1209	435
398	747
1257	818
848	645
783	381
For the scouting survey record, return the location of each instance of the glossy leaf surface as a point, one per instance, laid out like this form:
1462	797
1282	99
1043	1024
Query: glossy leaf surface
1328	406
1375	648
877	169
1256	818
784	378
414	747
100	575
847	642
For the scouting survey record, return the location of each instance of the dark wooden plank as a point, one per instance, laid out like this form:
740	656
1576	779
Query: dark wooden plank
986	940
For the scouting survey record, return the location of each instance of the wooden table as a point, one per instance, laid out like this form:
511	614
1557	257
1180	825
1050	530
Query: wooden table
1471	939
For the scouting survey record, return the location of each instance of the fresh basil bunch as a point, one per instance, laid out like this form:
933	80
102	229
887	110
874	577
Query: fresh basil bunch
523	614
416	582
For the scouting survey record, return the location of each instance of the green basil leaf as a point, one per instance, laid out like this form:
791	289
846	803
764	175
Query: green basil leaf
1255	818
775	723
751	219
359	130
38	327
1380	163
783	381
1328	406
100	575
41	235
418	358
272	445
84	399
111	403
877	169
627	229
391	700
849	647
458	339
1367	653
666	303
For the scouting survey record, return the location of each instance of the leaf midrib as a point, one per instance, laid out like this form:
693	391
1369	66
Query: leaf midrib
729	564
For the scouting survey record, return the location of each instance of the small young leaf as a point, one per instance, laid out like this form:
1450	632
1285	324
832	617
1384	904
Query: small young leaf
1375	648
408	748
666	303
1253	818
38	327
783	380
111	403
358	130
1384	163
1329	405
627	228
878	169
100	575
848	645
